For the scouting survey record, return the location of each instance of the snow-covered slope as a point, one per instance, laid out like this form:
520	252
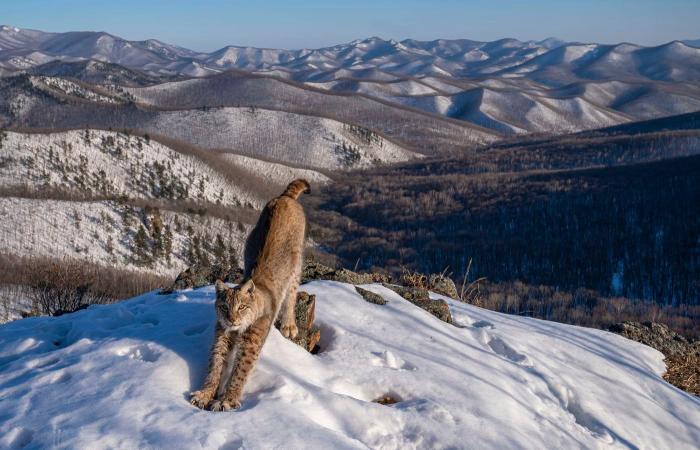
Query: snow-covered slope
118	376
302	140
115	164
105	233
274	172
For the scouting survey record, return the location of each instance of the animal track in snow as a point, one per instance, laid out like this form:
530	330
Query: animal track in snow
483	324
502	348
196	329
140	352
569	402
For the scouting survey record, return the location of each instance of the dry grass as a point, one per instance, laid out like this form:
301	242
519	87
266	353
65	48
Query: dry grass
413	279
683	371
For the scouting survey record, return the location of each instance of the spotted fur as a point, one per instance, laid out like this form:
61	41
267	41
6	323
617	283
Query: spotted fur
246	313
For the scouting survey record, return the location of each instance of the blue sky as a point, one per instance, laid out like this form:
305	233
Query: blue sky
210	24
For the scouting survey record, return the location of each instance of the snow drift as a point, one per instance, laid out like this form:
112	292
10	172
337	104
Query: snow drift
118	376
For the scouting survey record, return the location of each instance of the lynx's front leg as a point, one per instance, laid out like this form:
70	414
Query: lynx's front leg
223	343
251	343
289	323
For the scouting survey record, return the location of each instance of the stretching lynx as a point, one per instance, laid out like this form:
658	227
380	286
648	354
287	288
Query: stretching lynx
245	313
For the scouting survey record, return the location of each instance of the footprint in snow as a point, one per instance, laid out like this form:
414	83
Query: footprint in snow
139	352
483	324
500	347
196	329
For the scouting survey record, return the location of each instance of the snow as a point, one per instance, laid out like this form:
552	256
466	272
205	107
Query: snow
97	232
275	172
128	162
118	376
289	138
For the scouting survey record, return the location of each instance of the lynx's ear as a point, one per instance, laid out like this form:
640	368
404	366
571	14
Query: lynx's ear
248	286
220	287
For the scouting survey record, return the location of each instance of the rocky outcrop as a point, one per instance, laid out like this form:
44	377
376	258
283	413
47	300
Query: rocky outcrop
314	270
370	296
202	275
656	335
442	284
682	355
421	298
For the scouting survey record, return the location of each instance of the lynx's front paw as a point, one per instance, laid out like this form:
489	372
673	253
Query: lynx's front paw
201	399
289	330
225	405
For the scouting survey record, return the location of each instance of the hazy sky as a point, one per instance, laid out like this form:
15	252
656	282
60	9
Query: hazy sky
211	24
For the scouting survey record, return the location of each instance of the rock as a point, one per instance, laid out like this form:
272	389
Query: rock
313	270
305	314
387	399
443	284
655	335
370	296
421	298
682	356
200	275
305	311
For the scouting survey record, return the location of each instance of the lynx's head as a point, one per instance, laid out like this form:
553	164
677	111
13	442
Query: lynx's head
236	308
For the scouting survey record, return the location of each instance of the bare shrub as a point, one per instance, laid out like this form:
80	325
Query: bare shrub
413	279
62	287
66	285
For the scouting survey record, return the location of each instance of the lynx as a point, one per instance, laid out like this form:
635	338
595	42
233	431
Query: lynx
245	313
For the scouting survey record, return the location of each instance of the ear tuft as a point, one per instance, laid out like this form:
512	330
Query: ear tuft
248	286
221	287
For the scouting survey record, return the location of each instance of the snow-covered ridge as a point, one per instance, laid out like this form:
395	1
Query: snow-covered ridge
73	89
454	58
274	172
119	376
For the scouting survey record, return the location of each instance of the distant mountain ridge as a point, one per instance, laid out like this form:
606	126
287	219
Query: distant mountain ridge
458	58
506	86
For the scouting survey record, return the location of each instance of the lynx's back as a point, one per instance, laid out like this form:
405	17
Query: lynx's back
278	233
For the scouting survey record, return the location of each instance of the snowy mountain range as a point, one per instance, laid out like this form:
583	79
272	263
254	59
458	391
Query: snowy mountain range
507	86
551	61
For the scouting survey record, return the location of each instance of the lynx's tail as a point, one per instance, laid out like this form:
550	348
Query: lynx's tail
296	188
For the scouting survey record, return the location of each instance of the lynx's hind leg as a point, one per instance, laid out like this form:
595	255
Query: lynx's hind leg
289	324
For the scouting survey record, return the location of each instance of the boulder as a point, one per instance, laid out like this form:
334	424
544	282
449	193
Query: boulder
655	335
442	284
314	270
370	296
421	298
